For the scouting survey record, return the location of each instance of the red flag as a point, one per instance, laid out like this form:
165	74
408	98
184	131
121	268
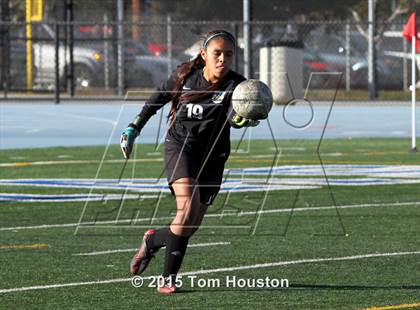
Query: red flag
410	30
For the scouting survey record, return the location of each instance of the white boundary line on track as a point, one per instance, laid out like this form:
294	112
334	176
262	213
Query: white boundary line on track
132	250
99	223
207	271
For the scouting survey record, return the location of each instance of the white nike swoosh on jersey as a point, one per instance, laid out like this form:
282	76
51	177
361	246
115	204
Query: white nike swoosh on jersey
186	88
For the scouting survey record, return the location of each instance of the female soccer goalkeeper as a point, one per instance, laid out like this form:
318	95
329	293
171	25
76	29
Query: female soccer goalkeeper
197	146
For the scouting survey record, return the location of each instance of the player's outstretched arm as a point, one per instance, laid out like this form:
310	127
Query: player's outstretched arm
157	100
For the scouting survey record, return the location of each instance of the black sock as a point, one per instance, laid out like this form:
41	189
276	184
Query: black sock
175	250
159	238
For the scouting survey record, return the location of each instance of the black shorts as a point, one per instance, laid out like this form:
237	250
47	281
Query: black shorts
189	160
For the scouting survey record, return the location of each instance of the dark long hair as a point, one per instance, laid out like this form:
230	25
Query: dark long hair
183	71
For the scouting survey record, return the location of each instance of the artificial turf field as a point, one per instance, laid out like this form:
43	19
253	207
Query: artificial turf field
339	246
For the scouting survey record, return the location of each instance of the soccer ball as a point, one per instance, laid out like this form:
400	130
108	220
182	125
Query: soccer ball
252	99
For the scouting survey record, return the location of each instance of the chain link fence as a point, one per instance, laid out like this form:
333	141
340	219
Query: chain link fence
58	57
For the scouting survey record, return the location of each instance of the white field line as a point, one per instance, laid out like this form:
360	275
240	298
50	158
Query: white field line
71	197
63	162
224	269
221	215
94	161
135	249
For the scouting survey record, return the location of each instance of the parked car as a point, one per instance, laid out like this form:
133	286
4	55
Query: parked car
91	57
149	70
331	48
94	54
162	50
313	64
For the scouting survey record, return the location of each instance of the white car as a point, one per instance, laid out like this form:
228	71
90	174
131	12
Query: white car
92	59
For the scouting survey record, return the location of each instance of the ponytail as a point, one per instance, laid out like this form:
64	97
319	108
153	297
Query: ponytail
180	76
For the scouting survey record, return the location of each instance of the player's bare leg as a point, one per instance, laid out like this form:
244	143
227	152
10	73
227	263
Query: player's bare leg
188	206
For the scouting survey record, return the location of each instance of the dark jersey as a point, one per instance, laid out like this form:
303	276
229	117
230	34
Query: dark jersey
202	123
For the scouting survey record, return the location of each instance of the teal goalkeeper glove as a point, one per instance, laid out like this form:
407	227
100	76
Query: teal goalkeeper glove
127	140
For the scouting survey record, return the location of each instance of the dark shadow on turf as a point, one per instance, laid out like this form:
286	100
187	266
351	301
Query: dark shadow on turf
355	287
314	287
184	291
82	234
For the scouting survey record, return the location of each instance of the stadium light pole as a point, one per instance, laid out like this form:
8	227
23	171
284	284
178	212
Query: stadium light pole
373	94
247	38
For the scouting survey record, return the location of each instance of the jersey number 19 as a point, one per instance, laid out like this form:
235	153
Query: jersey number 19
194	111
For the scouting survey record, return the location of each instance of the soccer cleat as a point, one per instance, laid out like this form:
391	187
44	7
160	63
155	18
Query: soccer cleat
168	287
143	256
